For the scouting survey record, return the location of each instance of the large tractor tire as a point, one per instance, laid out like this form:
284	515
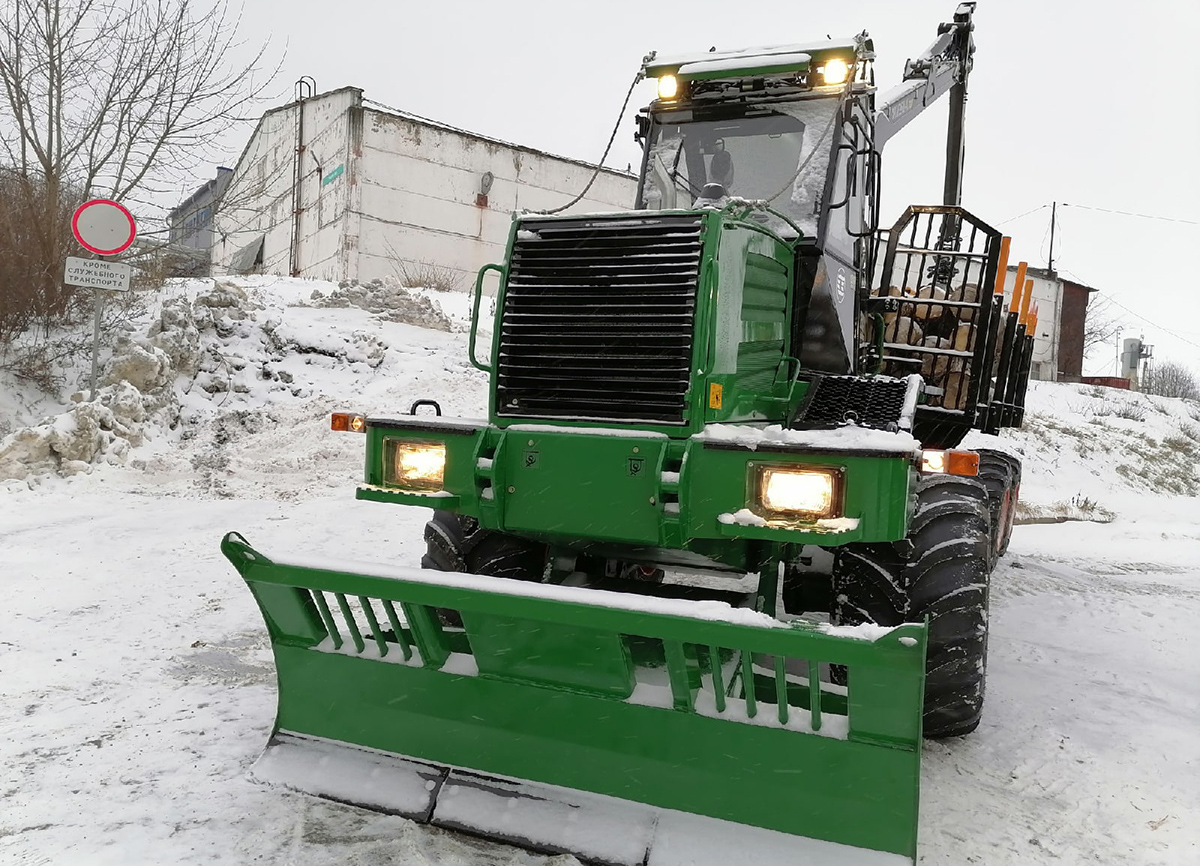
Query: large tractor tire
1000	473
458	543
941	573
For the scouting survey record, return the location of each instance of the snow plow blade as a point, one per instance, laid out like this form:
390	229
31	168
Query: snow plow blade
624	729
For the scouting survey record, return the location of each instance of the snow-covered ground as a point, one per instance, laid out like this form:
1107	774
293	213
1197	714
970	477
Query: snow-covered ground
136	683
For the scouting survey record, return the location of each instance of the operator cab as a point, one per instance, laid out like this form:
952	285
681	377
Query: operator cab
786	135
703	155
759	125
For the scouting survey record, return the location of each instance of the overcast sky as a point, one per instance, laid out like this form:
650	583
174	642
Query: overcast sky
1090	103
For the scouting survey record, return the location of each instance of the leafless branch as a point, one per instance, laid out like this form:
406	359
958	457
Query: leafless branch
1170	379
1102	324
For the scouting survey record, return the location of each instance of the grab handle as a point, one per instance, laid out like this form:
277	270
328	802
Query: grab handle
475	313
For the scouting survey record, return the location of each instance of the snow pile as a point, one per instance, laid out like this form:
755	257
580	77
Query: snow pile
388	299
128	410
100	431
138	397
217	365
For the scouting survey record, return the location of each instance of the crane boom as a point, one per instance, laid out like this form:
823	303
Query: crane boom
944	66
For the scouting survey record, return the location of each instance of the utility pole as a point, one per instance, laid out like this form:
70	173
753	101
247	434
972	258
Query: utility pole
1053	213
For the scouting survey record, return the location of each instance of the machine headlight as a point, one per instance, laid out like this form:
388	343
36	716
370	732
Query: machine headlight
803	493
668	87
949	462
835	71
933	461
414	465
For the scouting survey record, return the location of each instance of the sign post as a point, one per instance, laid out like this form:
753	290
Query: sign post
103	228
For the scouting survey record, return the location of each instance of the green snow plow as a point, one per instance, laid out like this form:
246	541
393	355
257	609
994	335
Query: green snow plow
684	704
714	563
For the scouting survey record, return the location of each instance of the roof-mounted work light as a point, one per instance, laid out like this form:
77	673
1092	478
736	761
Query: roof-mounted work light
835	71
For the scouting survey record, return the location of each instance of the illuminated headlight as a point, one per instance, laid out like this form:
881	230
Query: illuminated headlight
668	87
414	465
835	71
949	462
933	461
799	492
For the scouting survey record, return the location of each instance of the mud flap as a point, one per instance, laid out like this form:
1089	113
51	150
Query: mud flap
623	729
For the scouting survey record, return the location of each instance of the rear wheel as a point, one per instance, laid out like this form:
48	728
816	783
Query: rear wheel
1000	473
941	573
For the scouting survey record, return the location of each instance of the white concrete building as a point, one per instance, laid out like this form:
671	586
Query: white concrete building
191	221
1058	343
330	188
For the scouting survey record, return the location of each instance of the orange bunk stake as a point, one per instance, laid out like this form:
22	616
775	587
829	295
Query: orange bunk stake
1018	288
1026	299
1002	269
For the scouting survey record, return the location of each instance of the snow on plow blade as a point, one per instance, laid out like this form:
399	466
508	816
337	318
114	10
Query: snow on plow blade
586	721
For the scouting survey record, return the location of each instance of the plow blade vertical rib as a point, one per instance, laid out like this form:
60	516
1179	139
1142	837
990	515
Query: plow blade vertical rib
668	706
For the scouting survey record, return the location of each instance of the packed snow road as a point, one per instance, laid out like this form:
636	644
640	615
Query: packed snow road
137	688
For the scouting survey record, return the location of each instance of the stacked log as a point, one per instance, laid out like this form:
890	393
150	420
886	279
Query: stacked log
936	325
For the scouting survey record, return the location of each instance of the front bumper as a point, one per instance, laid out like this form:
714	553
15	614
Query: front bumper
636	487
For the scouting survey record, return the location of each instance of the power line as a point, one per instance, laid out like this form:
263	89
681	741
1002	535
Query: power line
1027	213
1144	216
1115	302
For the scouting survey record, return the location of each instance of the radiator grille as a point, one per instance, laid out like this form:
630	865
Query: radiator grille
598	319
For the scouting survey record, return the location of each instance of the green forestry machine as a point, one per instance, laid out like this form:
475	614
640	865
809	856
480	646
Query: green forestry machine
715	561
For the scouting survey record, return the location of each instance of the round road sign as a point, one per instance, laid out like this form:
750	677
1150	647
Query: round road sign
103	227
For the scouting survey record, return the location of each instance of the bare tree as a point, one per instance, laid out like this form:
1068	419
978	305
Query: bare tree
113	98
1101	325
1170	379
31	289
116	96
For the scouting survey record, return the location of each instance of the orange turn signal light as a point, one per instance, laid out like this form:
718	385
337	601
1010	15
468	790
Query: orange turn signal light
950	463
347	422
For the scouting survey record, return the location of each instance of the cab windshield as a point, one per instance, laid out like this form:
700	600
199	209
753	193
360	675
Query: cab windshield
752	152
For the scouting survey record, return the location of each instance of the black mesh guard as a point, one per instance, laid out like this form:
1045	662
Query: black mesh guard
834	401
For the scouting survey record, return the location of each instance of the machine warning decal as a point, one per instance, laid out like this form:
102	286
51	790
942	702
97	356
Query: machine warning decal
531	459
635	466
715	391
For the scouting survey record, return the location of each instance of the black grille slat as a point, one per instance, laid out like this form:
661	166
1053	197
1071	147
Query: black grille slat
666	312
598	319
547	238
537	326
583	362
602	296
537	337
629	282
627	407
684	259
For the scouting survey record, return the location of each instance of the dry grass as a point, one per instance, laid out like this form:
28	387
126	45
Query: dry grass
1078	507
426	275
